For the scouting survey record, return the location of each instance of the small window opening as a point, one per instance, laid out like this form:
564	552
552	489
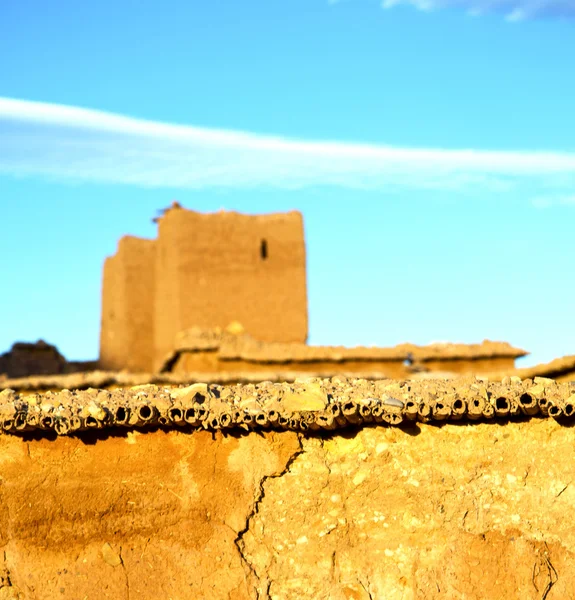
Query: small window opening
264	249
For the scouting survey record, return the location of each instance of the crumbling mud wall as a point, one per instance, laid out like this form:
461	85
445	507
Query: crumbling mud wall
481	513
198	361
127	327
217	351
38	358
216	268
398	368
469	366
447	499
304	405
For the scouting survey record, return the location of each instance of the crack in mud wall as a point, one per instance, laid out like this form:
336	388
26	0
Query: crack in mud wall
150	515
456	512
456	505
239	541
481	512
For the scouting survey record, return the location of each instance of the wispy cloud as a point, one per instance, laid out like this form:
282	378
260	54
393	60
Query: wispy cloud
513	10
551	201
78	144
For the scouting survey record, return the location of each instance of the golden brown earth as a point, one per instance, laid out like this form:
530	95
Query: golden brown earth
450	510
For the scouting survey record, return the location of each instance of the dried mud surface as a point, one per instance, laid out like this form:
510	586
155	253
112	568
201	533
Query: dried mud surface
457	511
413	490
155	515
475	512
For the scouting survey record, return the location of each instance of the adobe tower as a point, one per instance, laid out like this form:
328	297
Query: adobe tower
203	270
127	326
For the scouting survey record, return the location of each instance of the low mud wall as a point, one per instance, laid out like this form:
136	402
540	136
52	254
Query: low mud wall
447	498
196	362
464	366
208	361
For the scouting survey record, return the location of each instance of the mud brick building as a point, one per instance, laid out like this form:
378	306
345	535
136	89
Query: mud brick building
203	270
127	328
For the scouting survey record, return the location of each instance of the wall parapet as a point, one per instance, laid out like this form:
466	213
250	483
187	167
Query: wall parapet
306	405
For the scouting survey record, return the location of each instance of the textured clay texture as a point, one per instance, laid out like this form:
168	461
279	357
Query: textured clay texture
154	515
457	512
460	511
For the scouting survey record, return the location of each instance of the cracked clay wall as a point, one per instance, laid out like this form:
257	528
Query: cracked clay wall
127	326
321	489
481	512
212	269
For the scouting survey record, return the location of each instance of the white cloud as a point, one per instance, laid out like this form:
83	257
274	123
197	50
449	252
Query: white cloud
77	144
514	10
550	201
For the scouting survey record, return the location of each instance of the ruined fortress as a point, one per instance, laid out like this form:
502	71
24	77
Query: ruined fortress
224	296
167	305
203	270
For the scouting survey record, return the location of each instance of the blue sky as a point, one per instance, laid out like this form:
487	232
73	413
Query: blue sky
430	147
